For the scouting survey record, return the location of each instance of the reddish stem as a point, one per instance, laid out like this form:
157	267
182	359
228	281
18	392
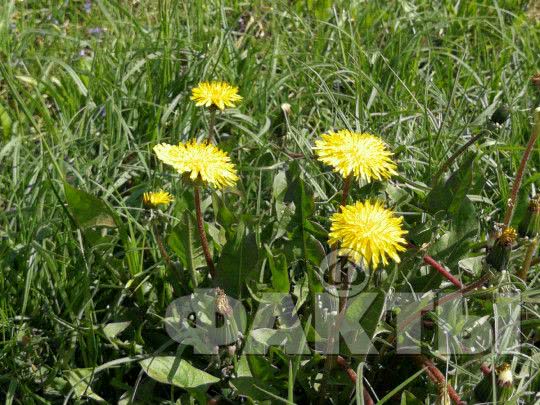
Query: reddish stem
443	300
353	377
519	175
438	378
202	234
346	188
162	249
437	266
485	369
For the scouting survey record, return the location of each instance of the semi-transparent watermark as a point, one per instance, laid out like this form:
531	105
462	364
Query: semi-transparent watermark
344	318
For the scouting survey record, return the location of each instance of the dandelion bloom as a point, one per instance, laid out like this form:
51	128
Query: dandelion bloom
155	198
508	236
368	231
219	94
200	161
363	155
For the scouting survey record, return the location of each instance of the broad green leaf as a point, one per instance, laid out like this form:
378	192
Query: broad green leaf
237	263
178	372
184	241
279	270
246	385
88	210
113	329
368	310
449	196
279	185
310	249
79	379
255	389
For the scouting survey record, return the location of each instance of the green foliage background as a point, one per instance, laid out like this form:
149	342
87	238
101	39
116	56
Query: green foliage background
85	95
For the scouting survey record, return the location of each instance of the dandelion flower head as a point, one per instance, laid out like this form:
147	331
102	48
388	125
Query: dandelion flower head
218	94
200	161
154	198
368	232
363	155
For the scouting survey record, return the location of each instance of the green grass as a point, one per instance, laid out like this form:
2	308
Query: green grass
86	108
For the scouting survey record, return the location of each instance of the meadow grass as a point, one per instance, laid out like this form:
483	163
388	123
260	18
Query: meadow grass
86	93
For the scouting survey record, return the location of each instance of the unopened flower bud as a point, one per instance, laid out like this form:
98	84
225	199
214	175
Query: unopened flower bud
530	226
231	350
286	108
501	115
536	81
279	121
499	255
483	391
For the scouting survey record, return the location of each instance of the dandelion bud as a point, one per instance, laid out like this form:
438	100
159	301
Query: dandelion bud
530	226
499	255
536	81
501	115
231	350
286	108
279	121
483	392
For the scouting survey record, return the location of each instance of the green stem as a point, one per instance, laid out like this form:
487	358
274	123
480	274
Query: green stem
522	274
191	264
212	125
202	233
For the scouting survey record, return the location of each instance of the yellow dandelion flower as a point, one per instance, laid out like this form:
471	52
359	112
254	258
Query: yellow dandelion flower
363	155
369	232
219	94
200	161
155	198
508	236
